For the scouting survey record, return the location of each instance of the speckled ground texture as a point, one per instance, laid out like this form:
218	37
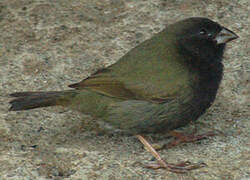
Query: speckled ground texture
47	45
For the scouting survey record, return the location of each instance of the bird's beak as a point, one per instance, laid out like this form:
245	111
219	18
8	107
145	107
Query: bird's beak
224	36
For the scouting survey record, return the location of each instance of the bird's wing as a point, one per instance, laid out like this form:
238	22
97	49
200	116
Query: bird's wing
107	86
151	71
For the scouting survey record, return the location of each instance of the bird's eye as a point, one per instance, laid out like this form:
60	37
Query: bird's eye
203	32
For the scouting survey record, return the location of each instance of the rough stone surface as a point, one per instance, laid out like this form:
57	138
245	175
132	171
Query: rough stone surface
46	45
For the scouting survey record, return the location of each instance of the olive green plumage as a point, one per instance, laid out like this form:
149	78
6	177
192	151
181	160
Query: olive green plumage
162	84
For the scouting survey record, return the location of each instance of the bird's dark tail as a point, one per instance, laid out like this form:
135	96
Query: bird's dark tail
31	100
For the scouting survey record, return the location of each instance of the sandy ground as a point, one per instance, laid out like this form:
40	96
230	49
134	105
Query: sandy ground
47	45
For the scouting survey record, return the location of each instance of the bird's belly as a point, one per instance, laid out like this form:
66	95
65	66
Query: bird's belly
137	117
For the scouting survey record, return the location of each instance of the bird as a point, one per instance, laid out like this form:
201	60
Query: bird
162	84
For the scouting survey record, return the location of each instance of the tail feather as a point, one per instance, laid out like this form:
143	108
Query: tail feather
31	100
31	93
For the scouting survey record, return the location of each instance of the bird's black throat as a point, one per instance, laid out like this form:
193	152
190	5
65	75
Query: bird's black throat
207	63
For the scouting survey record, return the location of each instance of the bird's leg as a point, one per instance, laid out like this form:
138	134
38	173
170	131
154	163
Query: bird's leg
152	151
182	167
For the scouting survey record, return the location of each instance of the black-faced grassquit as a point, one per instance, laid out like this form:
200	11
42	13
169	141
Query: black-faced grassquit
162	84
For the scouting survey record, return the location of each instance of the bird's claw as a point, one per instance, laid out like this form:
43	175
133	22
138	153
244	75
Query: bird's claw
182	138
182	167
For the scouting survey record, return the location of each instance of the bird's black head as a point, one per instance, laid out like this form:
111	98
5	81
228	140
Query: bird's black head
201	43
203	38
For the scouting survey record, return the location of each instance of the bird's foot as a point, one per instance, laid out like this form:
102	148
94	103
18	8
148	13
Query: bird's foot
182	167
184	138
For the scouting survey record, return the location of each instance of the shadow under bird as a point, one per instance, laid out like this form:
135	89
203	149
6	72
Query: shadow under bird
161	84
